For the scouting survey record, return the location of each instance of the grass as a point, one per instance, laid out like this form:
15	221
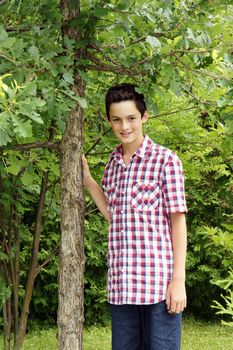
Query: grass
196	335
199	335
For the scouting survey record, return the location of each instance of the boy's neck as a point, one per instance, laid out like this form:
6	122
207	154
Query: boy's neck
129	149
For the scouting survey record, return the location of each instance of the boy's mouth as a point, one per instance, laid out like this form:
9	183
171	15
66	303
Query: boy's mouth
125	133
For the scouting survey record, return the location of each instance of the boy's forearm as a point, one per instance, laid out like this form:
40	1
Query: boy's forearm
98	197
95	190
176	299
179	241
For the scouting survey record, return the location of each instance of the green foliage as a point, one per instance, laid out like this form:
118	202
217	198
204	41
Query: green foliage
223	239
5	292
19	109
227	308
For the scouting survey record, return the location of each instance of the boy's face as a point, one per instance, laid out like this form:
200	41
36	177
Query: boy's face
126	122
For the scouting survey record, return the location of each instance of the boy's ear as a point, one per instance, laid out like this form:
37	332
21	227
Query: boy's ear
145	117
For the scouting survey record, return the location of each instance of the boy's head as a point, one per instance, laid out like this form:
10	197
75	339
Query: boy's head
124	92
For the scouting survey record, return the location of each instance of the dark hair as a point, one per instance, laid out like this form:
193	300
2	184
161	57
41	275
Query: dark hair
124	92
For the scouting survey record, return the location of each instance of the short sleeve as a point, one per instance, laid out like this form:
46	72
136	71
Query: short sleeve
173	187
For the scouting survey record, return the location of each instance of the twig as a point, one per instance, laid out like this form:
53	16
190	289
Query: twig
7	58
194	51
173	112
199	72
48	259
193	96
97	141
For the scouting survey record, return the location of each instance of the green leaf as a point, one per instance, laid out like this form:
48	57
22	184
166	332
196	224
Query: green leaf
4	119
8	90
27	179
55	169
13	169
7	43
22	128
82	101
100	11
30	89
35	117
34	52
65	60
68	77
3	33
28	108
154	42
190	35
81	43
4	138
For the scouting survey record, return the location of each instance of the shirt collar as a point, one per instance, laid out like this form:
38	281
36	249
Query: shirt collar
140	152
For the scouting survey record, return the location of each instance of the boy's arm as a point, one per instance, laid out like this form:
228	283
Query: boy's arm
94	190
176	295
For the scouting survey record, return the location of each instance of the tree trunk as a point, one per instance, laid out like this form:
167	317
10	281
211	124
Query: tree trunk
32	272
70	309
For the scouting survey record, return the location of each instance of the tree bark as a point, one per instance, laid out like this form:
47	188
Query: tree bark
70	309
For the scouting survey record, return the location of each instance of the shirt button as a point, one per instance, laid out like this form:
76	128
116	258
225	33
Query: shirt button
121	211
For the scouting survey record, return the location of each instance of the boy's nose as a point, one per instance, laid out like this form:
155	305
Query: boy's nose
124	125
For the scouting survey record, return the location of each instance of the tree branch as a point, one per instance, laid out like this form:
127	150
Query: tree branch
156	35
7	58
28	146
195	51
22	29
48	259
115	67
33	264
97	141
198	72
172	112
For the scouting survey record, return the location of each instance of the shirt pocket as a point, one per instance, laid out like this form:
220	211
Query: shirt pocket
145	196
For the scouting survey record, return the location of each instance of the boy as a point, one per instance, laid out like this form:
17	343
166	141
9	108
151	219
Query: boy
143	199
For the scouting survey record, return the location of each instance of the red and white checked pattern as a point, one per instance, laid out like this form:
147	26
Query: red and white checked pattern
140	198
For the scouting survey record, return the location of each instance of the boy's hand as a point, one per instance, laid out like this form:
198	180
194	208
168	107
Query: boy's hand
176	299
86	172
95	190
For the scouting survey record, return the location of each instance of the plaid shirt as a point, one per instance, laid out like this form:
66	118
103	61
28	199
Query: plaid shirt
140	198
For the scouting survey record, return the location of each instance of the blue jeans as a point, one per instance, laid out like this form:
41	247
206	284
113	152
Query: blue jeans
145	327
